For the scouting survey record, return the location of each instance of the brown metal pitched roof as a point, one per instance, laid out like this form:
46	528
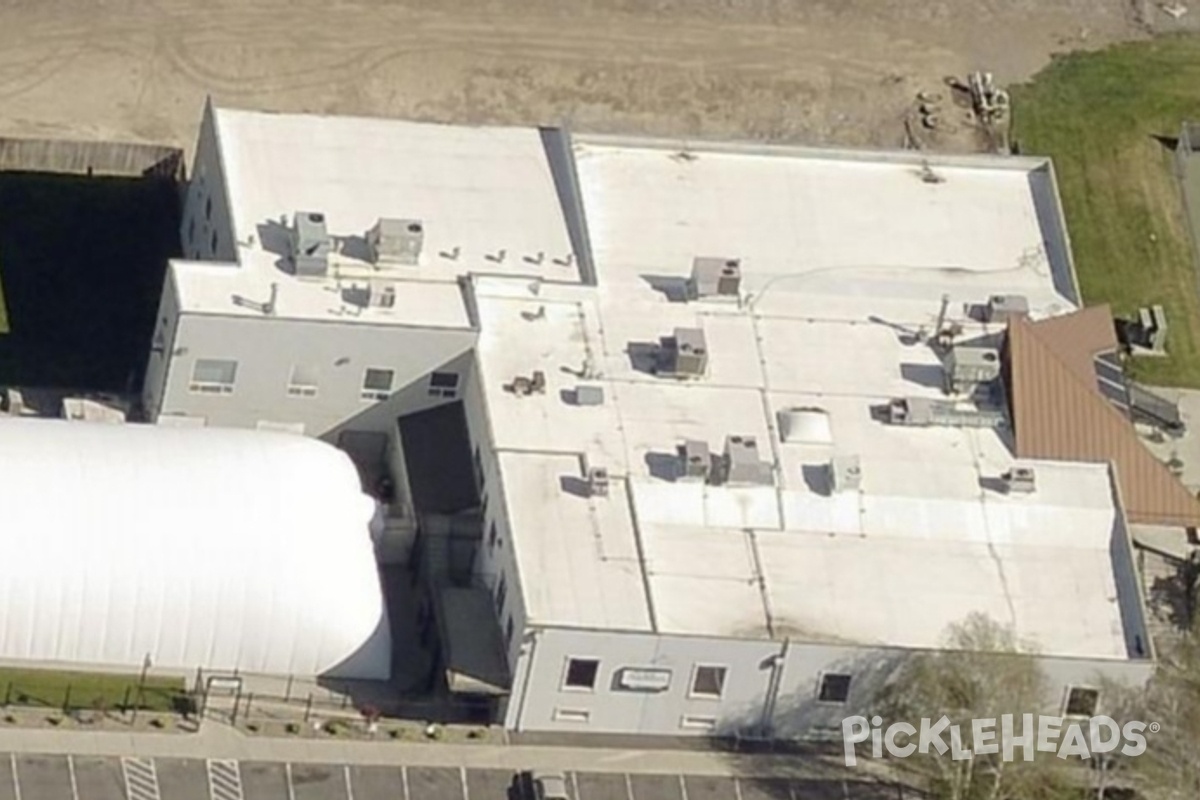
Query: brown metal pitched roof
1059	414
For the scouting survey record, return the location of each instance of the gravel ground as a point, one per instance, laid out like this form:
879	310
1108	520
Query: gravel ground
816	71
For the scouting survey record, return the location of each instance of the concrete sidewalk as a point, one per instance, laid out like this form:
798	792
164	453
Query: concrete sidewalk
221	742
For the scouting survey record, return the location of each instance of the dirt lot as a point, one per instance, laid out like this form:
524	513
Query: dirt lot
817	71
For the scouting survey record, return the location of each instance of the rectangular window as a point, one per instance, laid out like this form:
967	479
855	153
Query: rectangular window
479	469
835	688
572	715
698	722
509	630
377	384
1082	701
444	384
302	382
213	376
208	209
483	501
708	681
492	535
581	673
501	595
213	243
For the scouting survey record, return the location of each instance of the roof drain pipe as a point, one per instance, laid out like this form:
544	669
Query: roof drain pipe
766	725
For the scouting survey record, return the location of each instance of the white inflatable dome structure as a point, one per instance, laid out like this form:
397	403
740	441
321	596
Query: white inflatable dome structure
220	549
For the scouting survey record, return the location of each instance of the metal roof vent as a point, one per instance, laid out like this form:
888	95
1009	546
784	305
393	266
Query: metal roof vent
1004	307
597	481
695	461
845	474
311	244
715	277
968	366
742	464
805	425
396	241
684	355
1020	480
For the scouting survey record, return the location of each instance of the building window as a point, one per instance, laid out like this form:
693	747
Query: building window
581	674
1082	702
572	715
835	688
213	375
479	468
443	384
509	630
698	722
377	384
302	382
213	243
492	535
483	503
501	594
208	208
708	681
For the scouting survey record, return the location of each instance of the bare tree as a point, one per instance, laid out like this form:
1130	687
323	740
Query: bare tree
1170	767
984	672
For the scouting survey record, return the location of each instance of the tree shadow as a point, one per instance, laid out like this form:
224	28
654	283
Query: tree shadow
1176	595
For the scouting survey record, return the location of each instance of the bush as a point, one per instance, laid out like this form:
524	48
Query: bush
252	727
55	721
332	728
10	719
396	733
292	727
156	723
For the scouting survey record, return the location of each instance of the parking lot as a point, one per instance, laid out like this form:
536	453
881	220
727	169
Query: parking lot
60	777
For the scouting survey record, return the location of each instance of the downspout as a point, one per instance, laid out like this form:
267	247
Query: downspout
766	725
519	722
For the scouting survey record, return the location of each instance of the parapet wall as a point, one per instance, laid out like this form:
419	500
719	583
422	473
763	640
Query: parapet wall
91	158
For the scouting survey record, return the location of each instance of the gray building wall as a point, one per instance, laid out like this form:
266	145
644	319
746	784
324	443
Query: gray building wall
771	688
206	226
336	353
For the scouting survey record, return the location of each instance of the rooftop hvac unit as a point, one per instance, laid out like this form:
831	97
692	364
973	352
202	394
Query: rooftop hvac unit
382	295
396	241
742	464
311	244
716	277
684	355
845	474
695	460
588	395
1003	307
969	366
597	481
1020	480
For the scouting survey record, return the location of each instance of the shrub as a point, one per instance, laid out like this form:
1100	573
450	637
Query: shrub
252	727
10	719
396	733
155	722
55	721
333	728
292	727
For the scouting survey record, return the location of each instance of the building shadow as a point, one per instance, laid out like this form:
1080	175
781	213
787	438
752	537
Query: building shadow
663	466
643	356
672	287
932	376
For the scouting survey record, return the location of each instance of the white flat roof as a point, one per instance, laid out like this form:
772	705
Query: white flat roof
842	261
486	199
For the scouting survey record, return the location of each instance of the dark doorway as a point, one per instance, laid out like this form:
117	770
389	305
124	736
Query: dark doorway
437	452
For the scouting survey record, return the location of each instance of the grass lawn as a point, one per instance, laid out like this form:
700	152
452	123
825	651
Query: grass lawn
1098	115
35	687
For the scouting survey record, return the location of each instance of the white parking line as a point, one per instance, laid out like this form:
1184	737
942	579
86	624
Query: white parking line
12	757
737	789
71	772
224	779
403	781
141	779
575	785
287	773
462	773
683	787
349	787
629	785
